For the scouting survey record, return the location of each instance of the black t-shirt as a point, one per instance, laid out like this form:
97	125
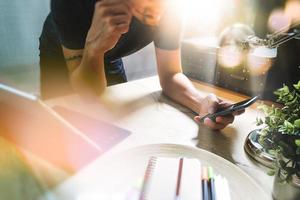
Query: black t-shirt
73	18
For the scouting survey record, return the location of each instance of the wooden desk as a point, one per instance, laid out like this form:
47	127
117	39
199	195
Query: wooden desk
140	107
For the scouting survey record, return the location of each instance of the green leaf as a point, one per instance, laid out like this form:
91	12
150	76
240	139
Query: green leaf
287	127
266	109
297	142
271	172
281	128
259	121
297	123
297	86
282	91
288	124
272	152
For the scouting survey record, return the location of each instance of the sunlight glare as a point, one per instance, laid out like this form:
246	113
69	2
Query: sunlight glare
201	13
292	9
279	21
258	65
230	56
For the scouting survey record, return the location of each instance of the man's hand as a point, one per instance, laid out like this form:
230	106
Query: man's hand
87	74
111	19
178	87
209	105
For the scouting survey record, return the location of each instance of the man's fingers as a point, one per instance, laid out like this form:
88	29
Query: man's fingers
224	104
209	123
120	20
121	28
212	107
117	16
211	103
109	2
119	24
225	120
238	112
197	119
120	9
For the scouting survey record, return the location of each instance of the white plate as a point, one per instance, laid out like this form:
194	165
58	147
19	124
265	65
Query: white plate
112	177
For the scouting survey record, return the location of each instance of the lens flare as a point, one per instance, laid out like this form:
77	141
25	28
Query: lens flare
230	56
292	10
202	14
258	65
279	21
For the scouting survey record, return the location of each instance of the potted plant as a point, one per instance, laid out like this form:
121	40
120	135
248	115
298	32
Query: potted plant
280	136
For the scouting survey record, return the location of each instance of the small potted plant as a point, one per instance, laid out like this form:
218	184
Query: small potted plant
280	136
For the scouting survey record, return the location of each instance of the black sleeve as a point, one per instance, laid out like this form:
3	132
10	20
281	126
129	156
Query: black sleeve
72	19
169	32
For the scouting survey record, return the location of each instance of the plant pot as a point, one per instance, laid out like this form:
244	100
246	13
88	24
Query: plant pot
286	190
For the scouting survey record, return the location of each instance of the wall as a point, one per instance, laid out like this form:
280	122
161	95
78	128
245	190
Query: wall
21	24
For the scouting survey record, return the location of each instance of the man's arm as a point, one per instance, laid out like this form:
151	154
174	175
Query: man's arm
178	87
86	67
86	72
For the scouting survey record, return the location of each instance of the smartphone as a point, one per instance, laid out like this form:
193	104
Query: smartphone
230	109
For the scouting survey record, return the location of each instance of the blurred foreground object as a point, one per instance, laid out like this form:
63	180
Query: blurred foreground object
239	68
222	61
241	61
274	40
32	125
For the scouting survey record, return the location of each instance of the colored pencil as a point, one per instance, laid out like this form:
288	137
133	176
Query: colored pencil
179	177
205	190
212	188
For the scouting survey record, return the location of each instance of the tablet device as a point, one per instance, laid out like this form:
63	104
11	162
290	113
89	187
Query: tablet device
230	109
66	139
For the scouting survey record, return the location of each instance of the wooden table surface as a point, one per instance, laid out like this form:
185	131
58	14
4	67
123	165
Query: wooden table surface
140	106
152	118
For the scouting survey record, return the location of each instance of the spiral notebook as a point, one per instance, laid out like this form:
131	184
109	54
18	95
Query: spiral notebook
172	178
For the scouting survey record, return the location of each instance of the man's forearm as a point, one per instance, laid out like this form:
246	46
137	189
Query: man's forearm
89	78
179	88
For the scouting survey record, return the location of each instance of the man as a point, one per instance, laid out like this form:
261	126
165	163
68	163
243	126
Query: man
90	37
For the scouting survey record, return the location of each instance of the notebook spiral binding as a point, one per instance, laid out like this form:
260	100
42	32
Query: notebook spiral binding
148	173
